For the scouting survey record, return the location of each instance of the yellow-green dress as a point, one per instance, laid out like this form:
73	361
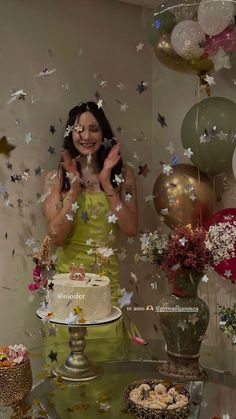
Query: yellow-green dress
91	229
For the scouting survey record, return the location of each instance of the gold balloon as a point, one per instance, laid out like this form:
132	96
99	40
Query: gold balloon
184	197
167	56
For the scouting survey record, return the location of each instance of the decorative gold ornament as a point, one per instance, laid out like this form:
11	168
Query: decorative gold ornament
167	56
184	197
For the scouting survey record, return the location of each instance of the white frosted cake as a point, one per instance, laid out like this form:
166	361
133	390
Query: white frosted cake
90	297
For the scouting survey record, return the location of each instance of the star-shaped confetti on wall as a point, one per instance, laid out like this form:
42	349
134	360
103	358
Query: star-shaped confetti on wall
142	87
5	146
51	150
162	121
124	107
143	170
139	47
9	165
52	129
38	171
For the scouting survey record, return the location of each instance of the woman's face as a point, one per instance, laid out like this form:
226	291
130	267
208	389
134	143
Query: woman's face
87	134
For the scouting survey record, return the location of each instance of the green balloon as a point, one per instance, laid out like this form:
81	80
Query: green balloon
159	23
209	129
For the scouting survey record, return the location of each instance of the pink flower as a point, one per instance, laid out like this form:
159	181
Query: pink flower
32	286
37	273
138	340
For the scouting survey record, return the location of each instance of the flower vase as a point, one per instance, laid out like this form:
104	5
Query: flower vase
184	318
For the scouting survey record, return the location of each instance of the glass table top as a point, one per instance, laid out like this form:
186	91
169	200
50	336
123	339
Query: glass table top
123	363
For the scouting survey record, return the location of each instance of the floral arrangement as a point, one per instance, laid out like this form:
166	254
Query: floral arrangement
10	356
188	248
228	321
221	240
44	269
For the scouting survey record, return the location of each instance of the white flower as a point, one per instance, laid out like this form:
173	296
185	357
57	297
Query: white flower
221	240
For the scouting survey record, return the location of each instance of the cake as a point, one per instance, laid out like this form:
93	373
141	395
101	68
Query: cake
85	295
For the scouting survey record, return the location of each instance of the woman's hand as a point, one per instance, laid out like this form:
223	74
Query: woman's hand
70	166
110	162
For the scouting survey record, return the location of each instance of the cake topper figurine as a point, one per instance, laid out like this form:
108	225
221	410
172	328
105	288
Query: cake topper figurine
77	272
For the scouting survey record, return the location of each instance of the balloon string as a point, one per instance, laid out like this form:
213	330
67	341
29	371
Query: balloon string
197	150
213	179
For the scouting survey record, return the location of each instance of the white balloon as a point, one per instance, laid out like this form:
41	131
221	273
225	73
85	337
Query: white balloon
234	163
186	38
215	15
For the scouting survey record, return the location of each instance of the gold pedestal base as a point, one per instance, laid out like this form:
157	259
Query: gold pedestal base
77	366
68	374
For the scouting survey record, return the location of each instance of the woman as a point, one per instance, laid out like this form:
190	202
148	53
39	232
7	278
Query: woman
90	196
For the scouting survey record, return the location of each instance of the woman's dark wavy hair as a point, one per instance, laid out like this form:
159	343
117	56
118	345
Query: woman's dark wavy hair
103	151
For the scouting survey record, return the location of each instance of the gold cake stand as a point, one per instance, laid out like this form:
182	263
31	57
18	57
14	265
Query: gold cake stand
77	367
